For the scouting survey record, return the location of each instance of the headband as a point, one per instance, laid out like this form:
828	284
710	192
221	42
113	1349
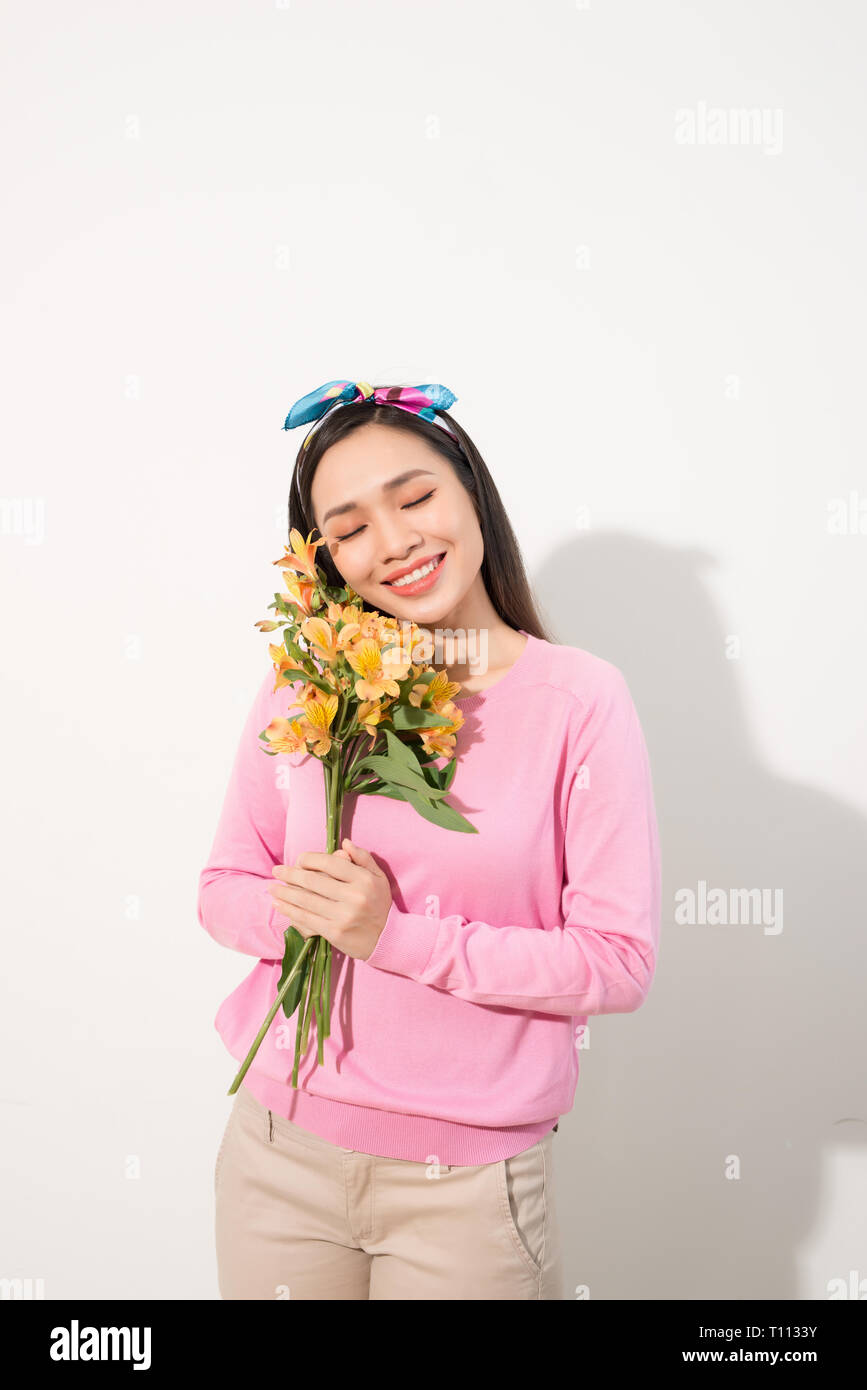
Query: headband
421	400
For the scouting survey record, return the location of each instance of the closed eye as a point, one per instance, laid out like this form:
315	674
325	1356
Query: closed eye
416	503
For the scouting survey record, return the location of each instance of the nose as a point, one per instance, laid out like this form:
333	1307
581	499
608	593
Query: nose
395	547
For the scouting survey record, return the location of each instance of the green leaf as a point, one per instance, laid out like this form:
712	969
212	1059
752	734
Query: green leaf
294	946
447	773
390	770
409	717
441	814
403	753
314	680
293	648
441	776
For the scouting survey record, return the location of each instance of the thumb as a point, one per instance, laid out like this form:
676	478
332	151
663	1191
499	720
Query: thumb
361	856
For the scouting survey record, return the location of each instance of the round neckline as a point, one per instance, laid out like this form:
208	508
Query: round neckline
481	697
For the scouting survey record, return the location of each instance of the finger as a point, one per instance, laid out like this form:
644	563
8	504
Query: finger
335	865
285	872
360	856
302	908
302	928
318	884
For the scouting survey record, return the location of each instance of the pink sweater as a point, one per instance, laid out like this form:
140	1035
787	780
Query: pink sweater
458	1037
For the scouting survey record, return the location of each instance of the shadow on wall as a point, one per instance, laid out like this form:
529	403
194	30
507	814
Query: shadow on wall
749	1049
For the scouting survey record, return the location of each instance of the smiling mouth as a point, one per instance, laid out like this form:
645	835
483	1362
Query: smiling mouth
407	582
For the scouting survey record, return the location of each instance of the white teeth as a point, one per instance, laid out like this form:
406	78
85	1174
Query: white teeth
416	574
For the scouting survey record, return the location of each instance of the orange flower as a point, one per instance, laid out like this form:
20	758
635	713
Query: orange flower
321	639
302	557
342	612
441	739
283	663
301	593
349	616
286	735
308	692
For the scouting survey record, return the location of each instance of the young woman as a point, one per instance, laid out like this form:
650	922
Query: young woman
416	1161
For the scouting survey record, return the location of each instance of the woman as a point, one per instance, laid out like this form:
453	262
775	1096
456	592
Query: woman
416	1161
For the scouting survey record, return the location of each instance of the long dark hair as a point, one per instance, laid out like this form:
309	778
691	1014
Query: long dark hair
503	573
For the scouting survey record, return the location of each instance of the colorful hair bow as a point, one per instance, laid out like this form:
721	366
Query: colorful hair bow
421	400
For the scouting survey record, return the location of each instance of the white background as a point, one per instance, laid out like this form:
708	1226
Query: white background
658	347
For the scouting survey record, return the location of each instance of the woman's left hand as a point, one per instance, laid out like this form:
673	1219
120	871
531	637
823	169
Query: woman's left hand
344	896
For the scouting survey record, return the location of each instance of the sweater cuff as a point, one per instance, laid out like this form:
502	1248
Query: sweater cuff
277	924
405	943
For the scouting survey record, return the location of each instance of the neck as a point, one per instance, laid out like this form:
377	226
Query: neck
482	642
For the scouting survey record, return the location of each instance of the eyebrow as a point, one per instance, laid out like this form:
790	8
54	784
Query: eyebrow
386	487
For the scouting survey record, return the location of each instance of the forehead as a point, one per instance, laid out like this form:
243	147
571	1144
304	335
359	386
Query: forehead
356	468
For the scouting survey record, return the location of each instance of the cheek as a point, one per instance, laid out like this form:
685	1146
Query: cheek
443	522
352	561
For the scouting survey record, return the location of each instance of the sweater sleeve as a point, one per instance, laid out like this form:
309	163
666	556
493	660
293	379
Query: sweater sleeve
234	905
600	956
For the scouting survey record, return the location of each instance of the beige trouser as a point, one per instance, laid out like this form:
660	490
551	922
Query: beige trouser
299	1217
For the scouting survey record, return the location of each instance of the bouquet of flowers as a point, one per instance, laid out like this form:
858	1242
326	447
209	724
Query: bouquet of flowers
376	715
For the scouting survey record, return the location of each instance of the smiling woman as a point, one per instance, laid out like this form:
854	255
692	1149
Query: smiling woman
413	521
455	1023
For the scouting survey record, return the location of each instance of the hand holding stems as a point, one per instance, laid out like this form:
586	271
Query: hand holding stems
357	889
344	896
306	975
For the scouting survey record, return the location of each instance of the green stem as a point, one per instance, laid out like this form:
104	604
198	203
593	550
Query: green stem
318	968
271	1012
298	1016
316	989
326	992
303	1029
353	757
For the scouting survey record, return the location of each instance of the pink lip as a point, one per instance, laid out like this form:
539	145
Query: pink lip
421	585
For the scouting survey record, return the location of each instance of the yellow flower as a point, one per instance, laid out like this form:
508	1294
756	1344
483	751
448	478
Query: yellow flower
302	557
369	714
441	689
319	714
378	675
322	639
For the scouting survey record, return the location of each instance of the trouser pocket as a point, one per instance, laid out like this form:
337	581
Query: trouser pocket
524	1187
218	1163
